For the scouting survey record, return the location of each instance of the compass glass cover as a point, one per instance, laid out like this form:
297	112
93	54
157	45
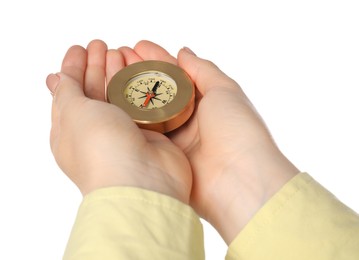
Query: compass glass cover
150	90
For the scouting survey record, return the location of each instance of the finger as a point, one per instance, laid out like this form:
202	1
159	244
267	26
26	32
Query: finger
205	74
68	96
151	51
52	81
129	55
74	63
67	90
114	63
94	86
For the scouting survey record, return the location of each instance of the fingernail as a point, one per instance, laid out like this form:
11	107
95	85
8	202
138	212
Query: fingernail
52	81
188	50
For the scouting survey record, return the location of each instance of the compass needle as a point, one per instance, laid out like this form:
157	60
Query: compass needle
154	89
148	98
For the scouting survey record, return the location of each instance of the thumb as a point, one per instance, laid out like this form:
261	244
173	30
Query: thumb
64	89
204	73
66	95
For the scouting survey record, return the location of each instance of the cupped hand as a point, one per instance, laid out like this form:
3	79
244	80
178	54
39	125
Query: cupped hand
235	163
95	143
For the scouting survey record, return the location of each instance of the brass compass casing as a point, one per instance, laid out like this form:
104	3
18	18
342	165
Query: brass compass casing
160	115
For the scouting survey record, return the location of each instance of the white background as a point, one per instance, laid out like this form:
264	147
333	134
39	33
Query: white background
298	61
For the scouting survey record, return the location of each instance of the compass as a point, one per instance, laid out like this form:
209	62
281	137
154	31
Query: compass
158	95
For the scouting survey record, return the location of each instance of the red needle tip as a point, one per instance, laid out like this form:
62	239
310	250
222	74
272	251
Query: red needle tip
148	98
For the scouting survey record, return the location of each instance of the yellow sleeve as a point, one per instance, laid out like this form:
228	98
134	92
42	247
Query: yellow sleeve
302	221
130	223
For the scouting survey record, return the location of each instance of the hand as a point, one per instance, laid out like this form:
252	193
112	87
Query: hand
235	163
95	143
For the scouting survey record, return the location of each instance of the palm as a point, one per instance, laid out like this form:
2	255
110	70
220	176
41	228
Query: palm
210	141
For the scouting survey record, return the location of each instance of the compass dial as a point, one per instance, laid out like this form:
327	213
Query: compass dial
150	90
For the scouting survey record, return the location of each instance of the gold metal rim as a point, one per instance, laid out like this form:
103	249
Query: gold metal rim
168	117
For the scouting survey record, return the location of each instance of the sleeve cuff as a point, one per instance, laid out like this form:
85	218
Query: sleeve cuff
132	223
302	221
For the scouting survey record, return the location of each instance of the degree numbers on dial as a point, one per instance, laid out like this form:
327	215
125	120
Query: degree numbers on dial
150	90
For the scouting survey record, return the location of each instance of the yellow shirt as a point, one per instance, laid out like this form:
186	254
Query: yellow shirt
302	221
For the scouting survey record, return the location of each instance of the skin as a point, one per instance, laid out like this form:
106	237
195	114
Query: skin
223	161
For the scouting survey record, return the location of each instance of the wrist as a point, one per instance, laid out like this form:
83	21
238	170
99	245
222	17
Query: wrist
248	185
147	178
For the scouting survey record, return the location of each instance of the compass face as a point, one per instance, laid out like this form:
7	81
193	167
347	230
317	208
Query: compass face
150	90
158	96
